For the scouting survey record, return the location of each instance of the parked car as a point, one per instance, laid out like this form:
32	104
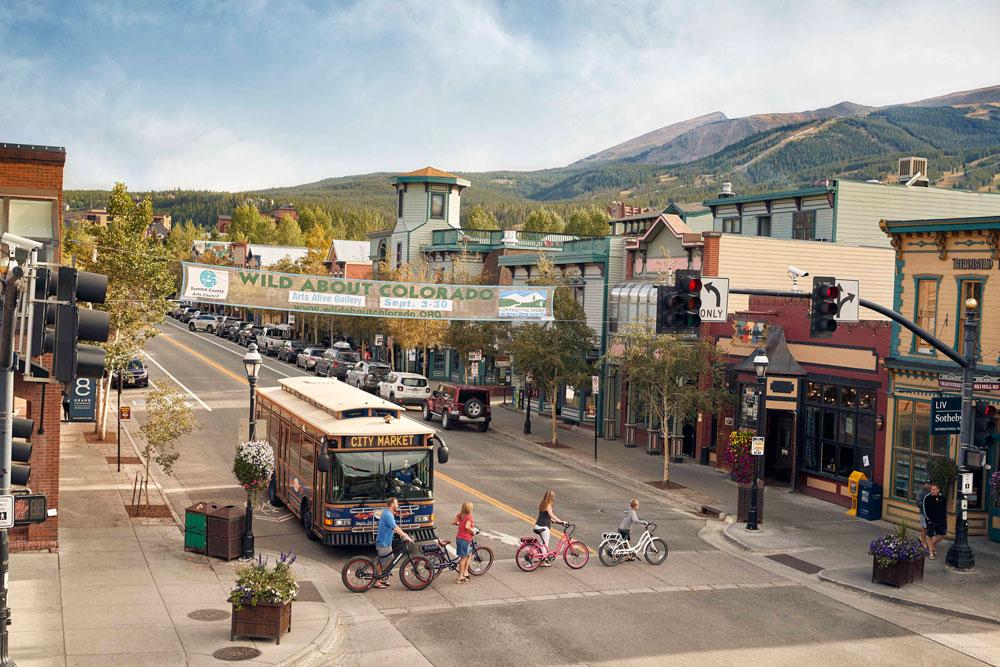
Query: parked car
404	388
232	328
458	403
220	322
176	311
135	375
189	315
249	335
367	374
271	338
202	323
336	361
308	357
289	351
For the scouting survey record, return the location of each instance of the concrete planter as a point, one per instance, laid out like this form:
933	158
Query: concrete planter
743	502
263	621
901	573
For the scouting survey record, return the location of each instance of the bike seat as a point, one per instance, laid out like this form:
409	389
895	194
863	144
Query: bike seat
444	543
538	531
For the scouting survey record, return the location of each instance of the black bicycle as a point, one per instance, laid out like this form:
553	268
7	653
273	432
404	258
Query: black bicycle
361	573
480	557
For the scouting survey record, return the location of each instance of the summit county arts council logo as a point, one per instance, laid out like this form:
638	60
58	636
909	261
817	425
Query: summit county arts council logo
206	283
523	304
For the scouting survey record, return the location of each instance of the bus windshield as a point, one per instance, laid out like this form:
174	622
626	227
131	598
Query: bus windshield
359	476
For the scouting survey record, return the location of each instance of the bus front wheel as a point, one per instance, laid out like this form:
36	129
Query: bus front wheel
307	519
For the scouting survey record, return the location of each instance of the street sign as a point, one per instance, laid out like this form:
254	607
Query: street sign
476	355
595	384
757	446
6	511
979	382
411	355
291	319
125	413
714	299
379	340
946	414
966	482
849	301
502	361
83	400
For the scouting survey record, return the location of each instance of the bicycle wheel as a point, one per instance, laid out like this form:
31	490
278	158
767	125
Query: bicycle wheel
528	557
438	561
656	551
577	554
480	560
416	573
358	574
606	552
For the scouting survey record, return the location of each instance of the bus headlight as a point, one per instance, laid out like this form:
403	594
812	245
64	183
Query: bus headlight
341	522
424	518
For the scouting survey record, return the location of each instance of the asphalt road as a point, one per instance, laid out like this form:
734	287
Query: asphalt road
702	605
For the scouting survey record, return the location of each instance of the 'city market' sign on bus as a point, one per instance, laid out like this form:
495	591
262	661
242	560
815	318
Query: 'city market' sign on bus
367	298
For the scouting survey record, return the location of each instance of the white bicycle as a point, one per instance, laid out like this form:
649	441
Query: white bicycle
614	548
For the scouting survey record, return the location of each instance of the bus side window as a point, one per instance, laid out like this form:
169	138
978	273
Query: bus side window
308	458
294	438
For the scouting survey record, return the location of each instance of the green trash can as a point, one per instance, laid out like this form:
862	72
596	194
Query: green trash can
195	526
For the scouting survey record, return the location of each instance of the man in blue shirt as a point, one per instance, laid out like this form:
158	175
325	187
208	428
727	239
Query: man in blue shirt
383	540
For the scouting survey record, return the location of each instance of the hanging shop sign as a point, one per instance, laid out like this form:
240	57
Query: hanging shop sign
270	290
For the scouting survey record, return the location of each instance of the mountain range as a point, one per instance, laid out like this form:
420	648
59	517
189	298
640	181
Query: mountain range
687	161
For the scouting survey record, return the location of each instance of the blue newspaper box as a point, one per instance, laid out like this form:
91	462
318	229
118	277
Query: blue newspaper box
869	501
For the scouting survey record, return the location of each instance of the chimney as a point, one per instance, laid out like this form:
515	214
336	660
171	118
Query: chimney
913	172
727	191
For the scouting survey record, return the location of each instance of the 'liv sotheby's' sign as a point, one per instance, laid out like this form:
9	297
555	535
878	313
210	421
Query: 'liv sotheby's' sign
368	298
946	414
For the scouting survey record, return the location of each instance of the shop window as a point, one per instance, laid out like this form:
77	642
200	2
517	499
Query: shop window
912	445
732	225
32	218
437	206
763	225
839	429
830	394
926	316
804	225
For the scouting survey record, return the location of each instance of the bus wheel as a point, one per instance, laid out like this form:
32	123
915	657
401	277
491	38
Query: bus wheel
307	518
272	493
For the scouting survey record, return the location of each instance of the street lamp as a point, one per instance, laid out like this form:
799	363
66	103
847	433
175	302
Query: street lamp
760	362
252	364
960	554
527	403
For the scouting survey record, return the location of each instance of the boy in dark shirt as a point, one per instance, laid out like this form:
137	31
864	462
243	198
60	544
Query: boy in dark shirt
935	512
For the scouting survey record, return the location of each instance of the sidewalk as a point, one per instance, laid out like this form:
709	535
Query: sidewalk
824	540
123	591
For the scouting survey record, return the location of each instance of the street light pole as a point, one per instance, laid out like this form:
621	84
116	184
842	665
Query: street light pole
960	554
252	363
527	405
760	363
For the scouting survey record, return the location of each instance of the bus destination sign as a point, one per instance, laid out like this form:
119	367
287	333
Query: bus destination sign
375	441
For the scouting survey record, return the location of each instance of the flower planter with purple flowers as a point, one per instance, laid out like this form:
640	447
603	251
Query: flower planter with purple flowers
262	599
897	559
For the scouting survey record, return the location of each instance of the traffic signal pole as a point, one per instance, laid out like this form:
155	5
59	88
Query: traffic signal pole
960	554
7	319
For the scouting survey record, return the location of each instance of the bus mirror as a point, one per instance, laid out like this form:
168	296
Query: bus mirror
323	463
442	453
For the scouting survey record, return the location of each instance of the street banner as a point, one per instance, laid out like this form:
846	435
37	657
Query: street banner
946	414
270	290
83	400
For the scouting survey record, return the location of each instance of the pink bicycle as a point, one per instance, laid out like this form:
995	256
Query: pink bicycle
532	553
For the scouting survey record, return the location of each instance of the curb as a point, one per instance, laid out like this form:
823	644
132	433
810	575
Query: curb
680	504
748	548
322	650
823	576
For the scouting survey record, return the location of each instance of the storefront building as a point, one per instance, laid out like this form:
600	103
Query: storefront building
940	263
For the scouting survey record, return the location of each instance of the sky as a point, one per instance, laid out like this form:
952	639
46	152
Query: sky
241	95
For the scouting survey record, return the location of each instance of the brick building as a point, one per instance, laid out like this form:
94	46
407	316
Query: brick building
31	180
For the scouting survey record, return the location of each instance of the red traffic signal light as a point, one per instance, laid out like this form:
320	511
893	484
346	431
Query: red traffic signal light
825	306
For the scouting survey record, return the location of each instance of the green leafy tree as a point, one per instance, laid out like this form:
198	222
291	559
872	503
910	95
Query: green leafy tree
588	222
316	216
543	220
676	379
168	418
480	218
139	282
249	225
554	352
288	232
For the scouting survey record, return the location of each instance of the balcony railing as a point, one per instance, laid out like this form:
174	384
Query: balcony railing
499	239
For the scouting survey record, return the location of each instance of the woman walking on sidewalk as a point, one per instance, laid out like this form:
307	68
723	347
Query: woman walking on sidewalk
463	540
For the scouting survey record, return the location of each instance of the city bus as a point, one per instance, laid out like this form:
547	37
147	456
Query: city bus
341	453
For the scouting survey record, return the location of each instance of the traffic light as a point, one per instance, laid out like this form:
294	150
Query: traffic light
20	451
825	296
71	359
30	508
40	310
984	425
678	306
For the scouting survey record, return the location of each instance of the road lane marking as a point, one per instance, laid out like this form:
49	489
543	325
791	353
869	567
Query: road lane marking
176	381
497	503
223	347
199	355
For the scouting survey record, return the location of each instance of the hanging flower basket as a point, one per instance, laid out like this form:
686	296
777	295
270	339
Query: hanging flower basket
253	466
737	455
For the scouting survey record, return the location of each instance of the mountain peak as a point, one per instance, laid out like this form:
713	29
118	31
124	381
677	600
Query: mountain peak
653	139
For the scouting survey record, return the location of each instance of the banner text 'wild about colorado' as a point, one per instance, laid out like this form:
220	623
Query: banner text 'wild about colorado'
271	290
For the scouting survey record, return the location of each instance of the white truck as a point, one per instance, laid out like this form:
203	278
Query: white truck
271	337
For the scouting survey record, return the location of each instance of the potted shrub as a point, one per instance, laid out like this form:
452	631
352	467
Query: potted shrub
741	463
897	559
262	598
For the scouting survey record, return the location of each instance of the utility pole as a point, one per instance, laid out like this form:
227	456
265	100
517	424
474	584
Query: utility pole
10	293
960	554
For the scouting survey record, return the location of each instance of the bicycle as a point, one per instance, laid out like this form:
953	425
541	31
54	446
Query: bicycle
480	557
532	553
614	548
360	573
